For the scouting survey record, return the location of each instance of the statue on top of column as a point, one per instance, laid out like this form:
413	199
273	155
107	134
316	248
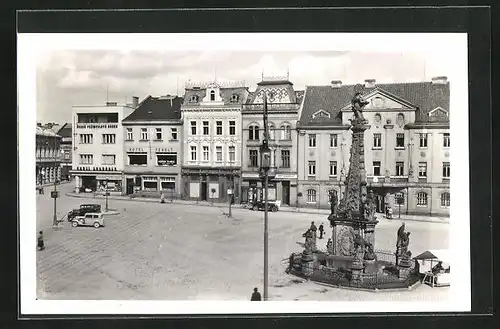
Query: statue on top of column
357	106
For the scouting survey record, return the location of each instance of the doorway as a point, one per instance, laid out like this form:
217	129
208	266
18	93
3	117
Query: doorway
130	186
285	196
203	191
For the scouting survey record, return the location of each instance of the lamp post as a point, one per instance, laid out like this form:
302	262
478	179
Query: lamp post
55	193
106	194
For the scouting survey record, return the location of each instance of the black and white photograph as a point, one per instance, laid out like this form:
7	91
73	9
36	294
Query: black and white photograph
199	173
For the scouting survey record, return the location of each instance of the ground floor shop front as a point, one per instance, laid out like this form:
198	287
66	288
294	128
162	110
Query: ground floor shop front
47	172
209	184
417	199
92	182
153	184
281	188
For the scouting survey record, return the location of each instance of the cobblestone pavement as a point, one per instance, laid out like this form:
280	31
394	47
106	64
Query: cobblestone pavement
174	251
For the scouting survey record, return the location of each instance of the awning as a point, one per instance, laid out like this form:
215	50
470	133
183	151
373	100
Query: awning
438	254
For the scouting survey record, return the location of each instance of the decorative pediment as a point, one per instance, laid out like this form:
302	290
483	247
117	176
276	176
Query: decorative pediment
438	112
320	114
379	99
213	95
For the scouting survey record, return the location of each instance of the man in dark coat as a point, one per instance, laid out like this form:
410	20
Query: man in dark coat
256	295
321	231
313	229
40	242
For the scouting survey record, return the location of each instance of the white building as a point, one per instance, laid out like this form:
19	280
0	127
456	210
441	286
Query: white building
212	139
98	138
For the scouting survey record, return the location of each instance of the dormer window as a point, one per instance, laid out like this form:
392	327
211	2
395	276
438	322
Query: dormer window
193	99
212	95
235	98
438	114
321	114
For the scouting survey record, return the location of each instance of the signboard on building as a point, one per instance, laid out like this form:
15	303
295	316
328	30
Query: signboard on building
251	175
286	176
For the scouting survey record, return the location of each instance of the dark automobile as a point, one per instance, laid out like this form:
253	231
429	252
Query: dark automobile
271	205
83	210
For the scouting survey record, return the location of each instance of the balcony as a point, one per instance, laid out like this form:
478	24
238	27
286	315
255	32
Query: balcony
97	125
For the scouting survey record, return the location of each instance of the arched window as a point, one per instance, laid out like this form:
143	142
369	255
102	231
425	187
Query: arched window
235	98
422	199
311	195
253	132
445	199
286	133
212	95
193	99
271	128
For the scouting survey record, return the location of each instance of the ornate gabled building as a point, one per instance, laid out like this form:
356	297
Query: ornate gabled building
66	133
212	143
153	147
283	107
48	156
406	146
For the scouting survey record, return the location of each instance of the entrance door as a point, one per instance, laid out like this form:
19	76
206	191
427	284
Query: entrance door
203	191
285	195
130	186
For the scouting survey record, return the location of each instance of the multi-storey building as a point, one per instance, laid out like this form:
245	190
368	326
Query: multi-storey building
153	146
48	156
97	160
406	145
283	107
66	133
212	139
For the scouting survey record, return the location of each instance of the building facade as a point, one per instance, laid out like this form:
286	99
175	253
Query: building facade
66	133
48	156
212	122
283	104
406	145
153	147
98	139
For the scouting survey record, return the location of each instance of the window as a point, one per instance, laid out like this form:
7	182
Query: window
86	138
137	159
272	129
253	133
193	99
445	199
285	158
446	170
312	168
218	153
232	154
333	168
400	140
150	183
167	183
376	168
86	159
232	128
333	140
144	134
422	199
205	127
312	140
400	168
377	140
286	132
193	127
108	138
234	98
173	133
446	140
218	127
254	158
423	140
422	169
108	159
130	134
158	134
193	153
205	153
212	95
311	196
166	159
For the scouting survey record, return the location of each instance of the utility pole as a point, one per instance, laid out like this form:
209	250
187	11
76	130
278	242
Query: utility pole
55	192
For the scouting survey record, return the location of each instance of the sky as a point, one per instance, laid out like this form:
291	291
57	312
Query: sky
65	78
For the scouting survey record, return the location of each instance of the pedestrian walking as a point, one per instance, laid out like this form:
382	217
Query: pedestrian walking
313	228
40	243
162	197
256	295
321	230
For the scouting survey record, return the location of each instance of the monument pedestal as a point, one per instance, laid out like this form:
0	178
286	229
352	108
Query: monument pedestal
307	263
357	270
343	235
404	266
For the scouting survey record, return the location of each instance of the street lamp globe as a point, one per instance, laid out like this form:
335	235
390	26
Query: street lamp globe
265	161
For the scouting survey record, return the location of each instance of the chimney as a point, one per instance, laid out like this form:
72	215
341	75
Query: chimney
440	80
336	83
370	83
135	101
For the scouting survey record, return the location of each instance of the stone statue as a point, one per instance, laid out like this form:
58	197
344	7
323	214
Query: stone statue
405	241
370	207
359	243
329	246
309	243
401	235
357	106
369	252
333	202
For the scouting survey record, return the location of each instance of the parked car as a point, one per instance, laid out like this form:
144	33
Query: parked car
90	219
84	209
271	205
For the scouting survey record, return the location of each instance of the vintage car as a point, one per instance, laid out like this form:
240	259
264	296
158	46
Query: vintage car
84	209
271	205
90	219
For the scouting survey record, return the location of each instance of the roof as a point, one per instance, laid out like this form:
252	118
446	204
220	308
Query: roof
276	87
65	130
426	96
157	109
226	95
439	254
45	132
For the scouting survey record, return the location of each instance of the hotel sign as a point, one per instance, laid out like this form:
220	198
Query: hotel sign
286	176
